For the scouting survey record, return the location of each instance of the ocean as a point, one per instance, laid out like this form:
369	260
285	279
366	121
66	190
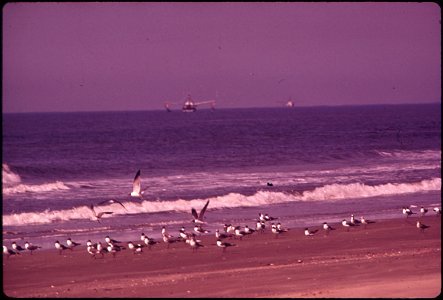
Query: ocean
304	165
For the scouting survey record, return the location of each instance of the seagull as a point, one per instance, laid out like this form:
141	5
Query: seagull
224	245
71	244
98	216
346	224
239	232
354	220
60	247
136	248
279	228
407	211
149	242
310	232
17	248
112	201
275	230
198	218
30	247
198	229
9	252
248	230
423	211
194	244
421	226
365	222
260	226
169	239
327	227
136	187
111	241
437	210
220	236
228	228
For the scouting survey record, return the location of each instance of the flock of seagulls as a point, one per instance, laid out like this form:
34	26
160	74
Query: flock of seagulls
112	246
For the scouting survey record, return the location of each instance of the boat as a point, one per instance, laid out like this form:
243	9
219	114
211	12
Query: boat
189	105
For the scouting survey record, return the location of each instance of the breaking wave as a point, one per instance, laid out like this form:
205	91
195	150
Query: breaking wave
332	192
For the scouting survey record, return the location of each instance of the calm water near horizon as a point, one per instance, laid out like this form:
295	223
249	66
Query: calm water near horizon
324	164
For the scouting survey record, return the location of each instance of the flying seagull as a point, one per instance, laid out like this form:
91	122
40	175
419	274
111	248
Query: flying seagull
112	201
99	215
136	187
198	218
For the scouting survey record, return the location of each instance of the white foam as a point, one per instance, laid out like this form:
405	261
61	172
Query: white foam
332	192
9	178
40	188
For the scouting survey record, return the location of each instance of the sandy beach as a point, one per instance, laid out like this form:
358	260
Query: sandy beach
390	258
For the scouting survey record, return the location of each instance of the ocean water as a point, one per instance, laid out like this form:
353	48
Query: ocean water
324	163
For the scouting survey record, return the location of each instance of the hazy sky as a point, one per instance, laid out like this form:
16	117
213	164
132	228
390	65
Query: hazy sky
135	56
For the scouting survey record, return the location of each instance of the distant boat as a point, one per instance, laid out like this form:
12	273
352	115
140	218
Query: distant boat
191	106
290	103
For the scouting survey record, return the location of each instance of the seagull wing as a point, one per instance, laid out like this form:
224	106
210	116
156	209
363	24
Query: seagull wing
93	210
136	186
194	213
202	212
112	201
100	214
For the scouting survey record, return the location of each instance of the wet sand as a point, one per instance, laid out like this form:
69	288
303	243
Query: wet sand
388	259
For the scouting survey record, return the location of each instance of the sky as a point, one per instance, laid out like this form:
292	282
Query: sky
111	56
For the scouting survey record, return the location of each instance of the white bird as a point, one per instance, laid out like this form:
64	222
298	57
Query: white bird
310	232
198	218
365	222
98	216
137	187
60	247
346	224
71	244
327	227
9	252
30	247
354	220
407	211
136	248
423	210
224	245
437	210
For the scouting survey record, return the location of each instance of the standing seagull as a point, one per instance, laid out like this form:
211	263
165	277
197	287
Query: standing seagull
407	211
137	187
437	210
346	224
9	252
327	228
198	218
224	245
423	211
71	244
60	247
96	216
422	226
30	247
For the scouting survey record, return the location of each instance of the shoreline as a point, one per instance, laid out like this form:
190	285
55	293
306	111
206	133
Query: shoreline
390	258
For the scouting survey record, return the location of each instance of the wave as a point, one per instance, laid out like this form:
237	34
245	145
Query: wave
9	178
46	187
412	155
12	184
332	192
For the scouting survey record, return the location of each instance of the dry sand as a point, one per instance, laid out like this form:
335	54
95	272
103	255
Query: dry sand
390	258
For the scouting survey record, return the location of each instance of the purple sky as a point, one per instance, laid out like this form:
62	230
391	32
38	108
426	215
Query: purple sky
135	56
